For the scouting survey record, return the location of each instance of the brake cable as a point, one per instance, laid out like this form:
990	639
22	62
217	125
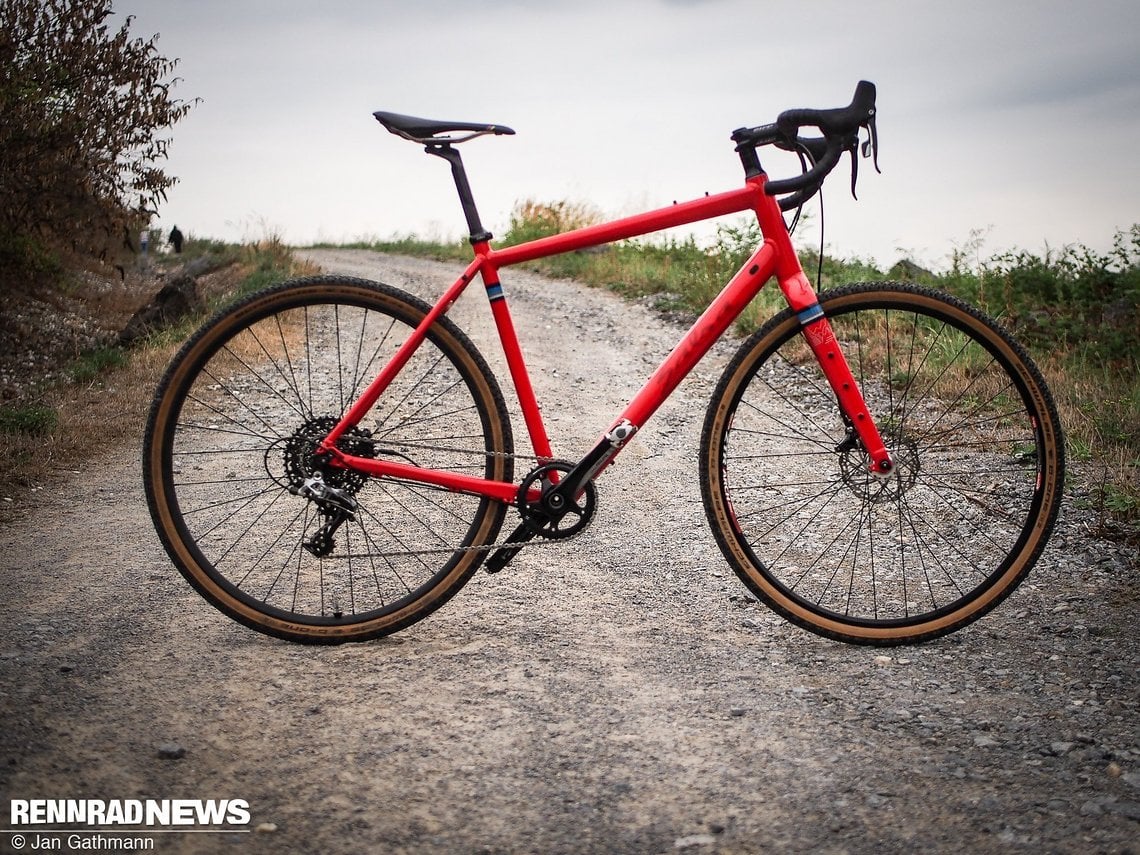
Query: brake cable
804	167
806	163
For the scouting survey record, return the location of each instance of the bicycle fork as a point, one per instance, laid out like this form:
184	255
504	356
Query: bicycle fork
820	337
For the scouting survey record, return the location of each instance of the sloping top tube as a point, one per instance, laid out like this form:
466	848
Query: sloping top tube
678	214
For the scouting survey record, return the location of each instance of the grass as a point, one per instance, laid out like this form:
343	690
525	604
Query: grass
89	366
104	394
410	245
27	419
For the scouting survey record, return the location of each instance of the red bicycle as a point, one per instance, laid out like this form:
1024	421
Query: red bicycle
331	459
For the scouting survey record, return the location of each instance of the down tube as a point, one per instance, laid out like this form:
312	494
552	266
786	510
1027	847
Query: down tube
725	309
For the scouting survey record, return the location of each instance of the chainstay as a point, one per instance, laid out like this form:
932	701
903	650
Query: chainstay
537	541
490	455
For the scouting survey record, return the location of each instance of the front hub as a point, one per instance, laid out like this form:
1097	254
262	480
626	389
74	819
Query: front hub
856	471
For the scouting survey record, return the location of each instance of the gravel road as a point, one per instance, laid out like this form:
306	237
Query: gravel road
617	694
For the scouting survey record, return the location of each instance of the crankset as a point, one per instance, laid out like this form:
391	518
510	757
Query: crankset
553	515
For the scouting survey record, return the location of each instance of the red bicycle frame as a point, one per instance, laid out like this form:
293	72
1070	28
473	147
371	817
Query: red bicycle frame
776	257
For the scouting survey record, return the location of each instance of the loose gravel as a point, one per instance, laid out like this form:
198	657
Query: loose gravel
620	693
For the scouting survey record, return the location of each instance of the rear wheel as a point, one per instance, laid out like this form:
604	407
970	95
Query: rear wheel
953	530
282	544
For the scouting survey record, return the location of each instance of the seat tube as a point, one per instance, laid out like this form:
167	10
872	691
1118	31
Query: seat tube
505	325
480	242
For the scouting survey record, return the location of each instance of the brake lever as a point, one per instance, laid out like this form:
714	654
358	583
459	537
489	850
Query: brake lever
871	144
870	148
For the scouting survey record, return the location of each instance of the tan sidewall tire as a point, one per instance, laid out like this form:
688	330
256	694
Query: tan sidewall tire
739	372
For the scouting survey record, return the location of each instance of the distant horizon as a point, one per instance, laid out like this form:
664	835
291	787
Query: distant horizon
1003	121
983	253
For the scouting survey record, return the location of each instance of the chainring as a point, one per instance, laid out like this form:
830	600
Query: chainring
554	523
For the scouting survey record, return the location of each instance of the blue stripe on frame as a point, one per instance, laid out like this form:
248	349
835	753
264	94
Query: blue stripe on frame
810	314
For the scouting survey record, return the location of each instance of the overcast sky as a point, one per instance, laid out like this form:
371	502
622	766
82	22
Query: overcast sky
1011	117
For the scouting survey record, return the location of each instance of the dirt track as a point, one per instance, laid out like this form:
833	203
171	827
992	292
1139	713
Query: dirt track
615	694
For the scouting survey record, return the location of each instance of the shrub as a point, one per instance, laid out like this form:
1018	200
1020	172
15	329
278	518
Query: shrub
83	107
531	220
1074	298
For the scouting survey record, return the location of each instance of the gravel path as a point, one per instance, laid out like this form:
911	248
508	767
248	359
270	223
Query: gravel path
620	694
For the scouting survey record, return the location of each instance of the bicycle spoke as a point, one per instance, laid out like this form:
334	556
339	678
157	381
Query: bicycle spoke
293	381
243	433
256	375
289	379
820	535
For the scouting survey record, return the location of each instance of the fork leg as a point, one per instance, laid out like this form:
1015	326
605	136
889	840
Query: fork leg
821	339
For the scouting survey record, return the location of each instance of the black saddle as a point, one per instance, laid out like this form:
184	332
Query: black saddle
433	131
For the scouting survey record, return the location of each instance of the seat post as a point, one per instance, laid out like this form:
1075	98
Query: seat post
451	155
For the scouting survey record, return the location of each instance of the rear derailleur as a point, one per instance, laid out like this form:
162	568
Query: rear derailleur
335	506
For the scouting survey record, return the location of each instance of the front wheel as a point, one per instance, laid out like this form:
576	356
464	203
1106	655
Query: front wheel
951	532
253	520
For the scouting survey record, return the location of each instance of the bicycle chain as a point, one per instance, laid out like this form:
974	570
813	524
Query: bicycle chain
491	547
